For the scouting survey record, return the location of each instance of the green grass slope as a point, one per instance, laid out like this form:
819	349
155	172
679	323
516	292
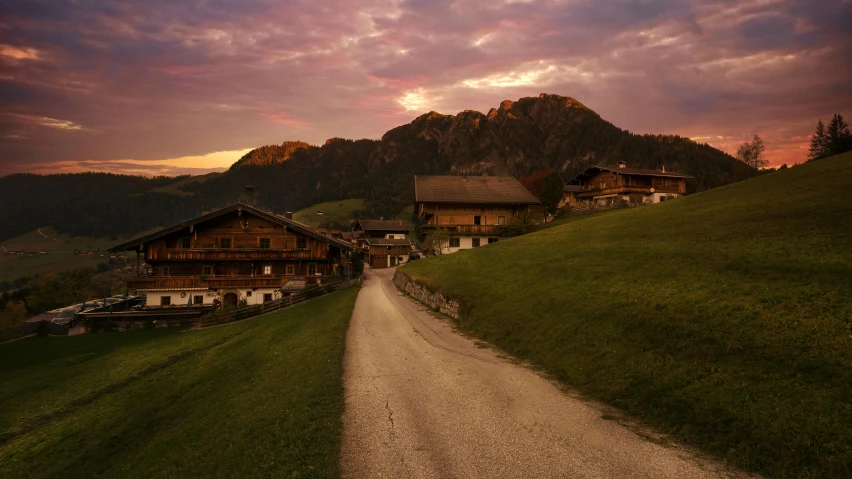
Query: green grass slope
335	212
60	255
724	317
259	398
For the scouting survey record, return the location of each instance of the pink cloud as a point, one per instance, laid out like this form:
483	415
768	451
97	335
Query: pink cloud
285	119
163	79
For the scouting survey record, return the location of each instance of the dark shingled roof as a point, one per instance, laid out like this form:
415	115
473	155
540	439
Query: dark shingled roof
383	225
292	224
588	172
472	189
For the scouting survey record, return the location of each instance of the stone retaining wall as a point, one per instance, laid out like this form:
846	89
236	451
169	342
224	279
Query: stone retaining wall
433	300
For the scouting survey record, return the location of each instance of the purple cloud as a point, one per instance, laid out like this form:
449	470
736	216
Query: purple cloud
89	81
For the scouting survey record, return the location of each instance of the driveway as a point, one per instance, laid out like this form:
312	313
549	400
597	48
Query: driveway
423	401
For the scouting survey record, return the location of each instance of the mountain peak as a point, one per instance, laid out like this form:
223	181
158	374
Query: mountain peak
271	154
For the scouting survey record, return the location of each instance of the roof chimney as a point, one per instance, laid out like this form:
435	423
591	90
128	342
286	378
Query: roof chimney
622	164
288	214
664	168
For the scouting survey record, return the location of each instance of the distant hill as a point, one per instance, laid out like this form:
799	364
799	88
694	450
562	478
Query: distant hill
518	138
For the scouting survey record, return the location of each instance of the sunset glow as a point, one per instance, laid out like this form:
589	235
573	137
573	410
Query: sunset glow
89	84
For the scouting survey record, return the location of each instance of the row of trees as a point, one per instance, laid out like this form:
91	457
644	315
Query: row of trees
830	141
33	296
826	141
547	186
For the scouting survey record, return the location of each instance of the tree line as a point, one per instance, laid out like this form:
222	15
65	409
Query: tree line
830	141
826	141
27	297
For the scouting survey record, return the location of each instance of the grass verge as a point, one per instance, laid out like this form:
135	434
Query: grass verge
724	317
258	398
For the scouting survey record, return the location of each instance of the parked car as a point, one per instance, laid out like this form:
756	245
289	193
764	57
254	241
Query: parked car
414	255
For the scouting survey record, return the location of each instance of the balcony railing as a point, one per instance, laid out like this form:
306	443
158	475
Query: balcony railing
235	254
467	229
217	282
157	282
614	191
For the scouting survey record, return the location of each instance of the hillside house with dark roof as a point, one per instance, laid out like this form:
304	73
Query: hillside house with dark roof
601	185
238	253
385	241
382	228
388	252
475	210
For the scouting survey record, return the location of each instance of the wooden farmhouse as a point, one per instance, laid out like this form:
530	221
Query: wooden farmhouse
473	209
386	241
239	253
601	185
387	229
388	252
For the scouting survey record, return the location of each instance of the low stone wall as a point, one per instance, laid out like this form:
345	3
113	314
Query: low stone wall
433	300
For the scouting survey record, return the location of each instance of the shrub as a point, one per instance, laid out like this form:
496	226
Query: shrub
43	329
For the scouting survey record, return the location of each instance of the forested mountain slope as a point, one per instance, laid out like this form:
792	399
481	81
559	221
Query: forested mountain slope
518	138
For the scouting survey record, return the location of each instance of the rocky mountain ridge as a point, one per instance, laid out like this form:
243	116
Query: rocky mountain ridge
517	138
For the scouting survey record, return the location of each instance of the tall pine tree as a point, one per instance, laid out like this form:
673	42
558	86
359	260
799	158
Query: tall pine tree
818	143
837	136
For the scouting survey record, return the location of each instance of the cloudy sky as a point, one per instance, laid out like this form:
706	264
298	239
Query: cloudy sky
172	87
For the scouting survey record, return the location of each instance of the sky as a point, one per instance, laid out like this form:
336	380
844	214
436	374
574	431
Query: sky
187	87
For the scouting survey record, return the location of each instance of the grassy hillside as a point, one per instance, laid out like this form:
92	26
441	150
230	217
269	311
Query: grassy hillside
260	398
178	187
407	215
60	253
724	317
339	212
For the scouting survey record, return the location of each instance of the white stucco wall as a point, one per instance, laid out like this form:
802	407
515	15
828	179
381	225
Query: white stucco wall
251	296
658	196
403	259
153	298
466	242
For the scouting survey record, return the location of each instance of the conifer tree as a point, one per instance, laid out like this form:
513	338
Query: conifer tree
551	193
818	143
837	136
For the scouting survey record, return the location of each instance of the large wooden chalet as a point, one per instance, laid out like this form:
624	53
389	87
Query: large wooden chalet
473	209
238	253
606	185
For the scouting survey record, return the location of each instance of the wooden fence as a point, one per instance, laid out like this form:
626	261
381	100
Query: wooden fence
231	315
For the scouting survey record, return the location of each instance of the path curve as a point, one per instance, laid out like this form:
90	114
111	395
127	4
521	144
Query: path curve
423	401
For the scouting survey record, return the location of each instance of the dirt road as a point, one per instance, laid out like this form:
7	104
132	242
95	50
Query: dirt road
423	401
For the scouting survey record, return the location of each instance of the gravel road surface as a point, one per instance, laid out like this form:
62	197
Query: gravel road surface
424	401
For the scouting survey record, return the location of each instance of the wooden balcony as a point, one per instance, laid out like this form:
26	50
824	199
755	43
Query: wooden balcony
254	254
216	282
220	282
616	190
158	282
465	229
